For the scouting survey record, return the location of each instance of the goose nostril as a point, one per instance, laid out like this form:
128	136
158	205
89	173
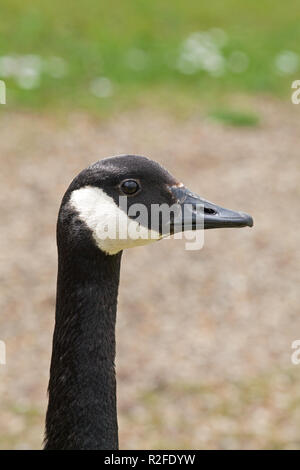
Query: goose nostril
204	210
207	210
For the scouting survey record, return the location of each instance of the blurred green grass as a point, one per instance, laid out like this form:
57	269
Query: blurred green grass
235	118
120	54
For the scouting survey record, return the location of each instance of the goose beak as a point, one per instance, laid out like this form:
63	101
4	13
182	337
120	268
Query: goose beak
197	213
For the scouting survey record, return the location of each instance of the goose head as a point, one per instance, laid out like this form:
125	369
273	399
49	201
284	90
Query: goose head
126	201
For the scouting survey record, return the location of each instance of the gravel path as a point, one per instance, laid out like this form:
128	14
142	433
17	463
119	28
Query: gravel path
204	338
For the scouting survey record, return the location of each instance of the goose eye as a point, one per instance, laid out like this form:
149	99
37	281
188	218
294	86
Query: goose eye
130	187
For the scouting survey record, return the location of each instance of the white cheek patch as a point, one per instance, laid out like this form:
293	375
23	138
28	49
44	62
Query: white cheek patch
112	229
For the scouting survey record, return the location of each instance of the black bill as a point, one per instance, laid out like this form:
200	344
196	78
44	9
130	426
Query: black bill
197	213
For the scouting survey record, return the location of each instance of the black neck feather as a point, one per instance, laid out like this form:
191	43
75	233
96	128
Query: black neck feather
82	388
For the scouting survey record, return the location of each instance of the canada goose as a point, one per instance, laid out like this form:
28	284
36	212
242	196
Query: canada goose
82	388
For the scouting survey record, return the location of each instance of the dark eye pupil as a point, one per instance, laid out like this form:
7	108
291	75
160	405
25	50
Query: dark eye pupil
130	187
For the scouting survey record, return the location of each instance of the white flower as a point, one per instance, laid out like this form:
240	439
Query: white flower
201	52
28	78
287	62
101	87
27	73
